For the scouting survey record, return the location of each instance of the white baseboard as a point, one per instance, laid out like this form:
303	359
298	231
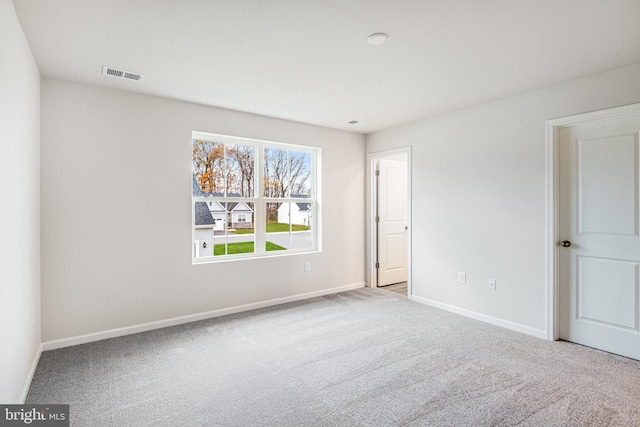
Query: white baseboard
128	330
32	371
538	333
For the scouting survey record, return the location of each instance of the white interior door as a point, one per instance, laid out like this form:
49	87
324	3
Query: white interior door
392	231
599	205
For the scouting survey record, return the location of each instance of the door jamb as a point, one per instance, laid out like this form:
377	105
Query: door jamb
552	201
370	215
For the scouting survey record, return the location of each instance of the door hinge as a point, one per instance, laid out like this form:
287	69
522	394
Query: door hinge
377	172
377	219
377	265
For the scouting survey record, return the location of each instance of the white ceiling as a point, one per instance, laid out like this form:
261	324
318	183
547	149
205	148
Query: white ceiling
308	60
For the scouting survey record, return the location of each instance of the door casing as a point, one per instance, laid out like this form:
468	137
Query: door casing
553	211
370	215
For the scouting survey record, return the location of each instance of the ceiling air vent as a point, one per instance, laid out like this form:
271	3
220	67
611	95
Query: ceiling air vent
128	75
358	123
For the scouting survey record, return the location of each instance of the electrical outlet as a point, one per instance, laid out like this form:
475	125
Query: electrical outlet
492	284
462	277
307	266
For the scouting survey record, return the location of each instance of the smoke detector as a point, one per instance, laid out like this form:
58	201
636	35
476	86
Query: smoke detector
121	74
377	38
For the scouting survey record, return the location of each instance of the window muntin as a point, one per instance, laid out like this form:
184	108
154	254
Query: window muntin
276	219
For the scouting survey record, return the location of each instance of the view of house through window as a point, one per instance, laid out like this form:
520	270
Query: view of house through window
252	198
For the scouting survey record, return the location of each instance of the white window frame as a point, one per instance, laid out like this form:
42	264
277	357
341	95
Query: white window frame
259	201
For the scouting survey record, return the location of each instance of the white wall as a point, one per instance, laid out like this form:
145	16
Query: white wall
478	200
107	158
20	208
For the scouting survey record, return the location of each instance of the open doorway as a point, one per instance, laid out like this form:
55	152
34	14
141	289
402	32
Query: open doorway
390	221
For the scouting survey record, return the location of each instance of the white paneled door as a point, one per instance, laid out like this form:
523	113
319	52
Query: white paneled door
599	235
392	211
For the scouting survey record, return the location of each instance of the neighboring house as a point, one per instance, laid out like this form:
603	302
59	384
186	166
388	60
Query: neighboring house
219	214
241	215
300	212
203	233
237	215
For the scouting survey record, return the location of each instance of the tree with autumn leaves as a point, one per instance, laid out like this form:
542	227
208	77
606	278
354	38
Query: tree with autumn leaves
286	172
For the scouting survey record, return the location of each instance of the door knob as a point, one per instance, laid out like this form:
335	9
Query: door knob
565	243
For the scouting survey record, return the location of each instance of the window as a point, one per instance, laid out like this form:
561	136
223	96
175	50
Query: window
252	198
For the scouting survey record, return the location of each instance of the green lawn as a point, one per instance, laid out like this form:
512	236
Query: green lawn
243	231
274	227
242	248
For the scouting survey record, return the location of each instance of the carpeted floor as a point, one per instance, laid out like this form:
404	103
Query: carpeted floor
360	358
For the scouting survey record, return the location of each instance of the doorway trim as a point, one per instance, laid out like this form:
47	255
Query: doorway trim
371	231
552	201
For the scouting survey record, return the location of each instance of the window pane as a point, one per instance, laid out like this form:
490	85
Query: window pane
239	234
278	228
219	213
204	230
301	223
239	170
276	180
300	173
207	164
289	225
